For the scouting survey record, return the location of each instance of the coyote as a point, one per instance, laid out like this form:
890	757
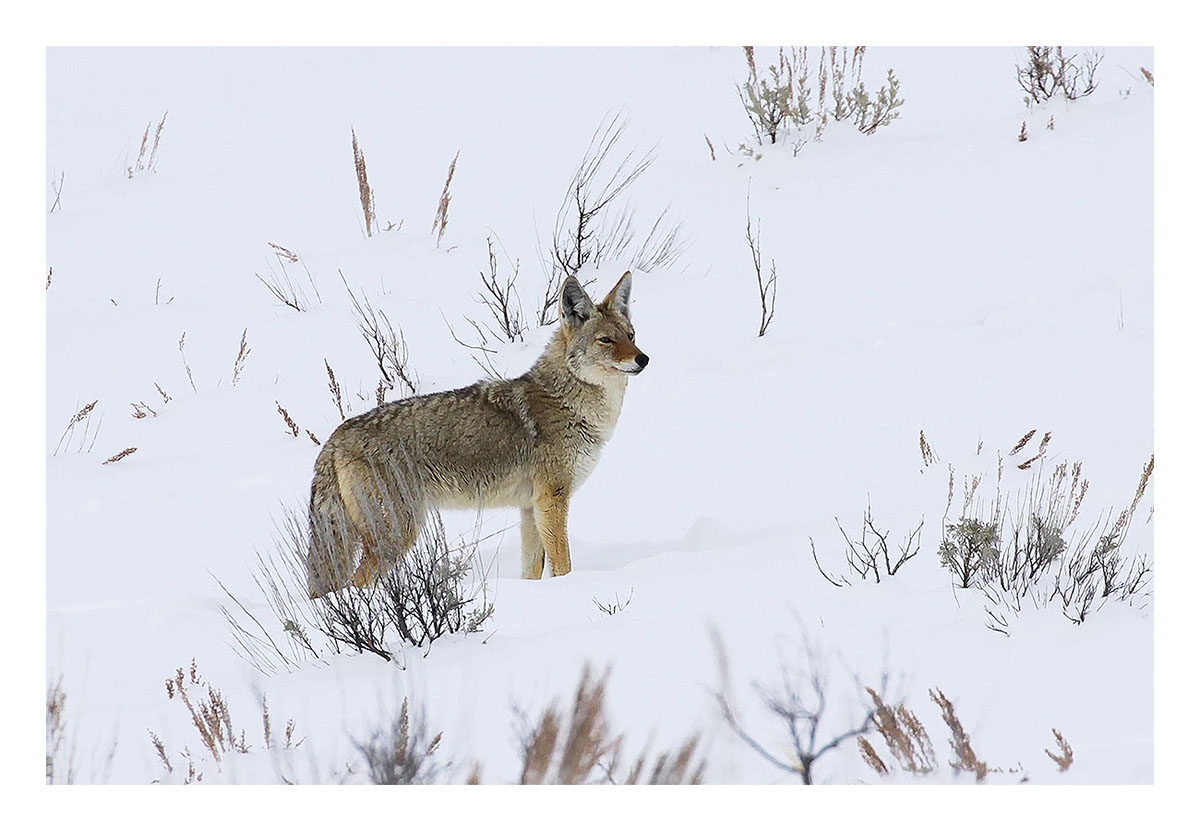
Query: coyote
526	442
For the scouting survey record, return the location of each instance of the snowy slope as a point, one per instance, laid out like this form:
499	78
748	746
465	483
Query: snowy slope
938	276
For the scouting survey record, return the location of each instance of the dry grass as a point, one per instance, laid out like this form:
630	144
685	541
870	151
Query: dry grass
119	456
287	419
58	186
1148	75
186	366
905	736
335	389
928	456
965	759
911	749
82	416
239	362
60	747
210	712
580	747
147	157
442	216
401	753
1065	755
366	196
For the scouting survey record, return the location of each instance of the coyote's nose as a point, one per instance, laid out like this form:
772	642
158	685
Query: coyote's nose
642	359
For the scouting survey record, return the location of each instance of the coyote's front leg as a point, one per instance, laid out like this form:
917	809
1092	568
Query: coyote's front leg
550	516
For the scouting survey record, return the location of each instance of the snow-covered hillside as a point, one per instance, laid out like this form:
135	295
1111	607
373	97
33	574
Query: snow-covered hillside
940	284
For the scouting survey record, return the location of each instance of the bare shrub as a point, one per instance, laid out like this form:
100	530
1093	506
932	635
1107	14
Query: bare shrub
589	229
1048	72
799	704
433	590
283	286
500	298
869	556
401	753
1031	548
766	287
580	746
387	346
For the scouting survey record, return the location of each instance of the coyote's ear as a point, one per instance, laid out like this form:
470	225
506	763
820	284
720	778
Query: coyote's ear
577	307
618	298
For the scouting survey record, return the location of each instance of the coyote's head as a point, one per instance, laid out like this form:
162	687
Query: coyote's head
599	338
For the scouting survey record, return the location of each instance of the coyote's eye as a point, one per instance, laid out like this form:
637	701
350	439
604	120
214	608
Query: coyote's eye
605	340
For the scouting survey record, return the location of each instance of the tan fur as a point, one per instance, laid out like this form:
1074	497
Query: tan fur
526	442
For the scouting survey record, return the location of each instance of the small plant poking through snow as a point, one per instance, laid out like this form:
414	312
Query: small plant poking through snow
616	605
869	556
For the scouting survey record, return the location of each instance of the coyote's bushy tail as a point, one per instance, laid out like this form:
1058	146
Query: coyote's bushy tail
332	534
359	501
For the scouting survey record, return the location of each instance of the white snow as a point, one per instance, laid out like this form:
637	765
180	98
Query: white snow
938	276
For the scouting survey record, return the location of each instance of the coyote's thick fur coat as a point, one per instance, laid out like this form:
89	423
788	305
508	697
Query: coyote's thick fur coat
526	442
